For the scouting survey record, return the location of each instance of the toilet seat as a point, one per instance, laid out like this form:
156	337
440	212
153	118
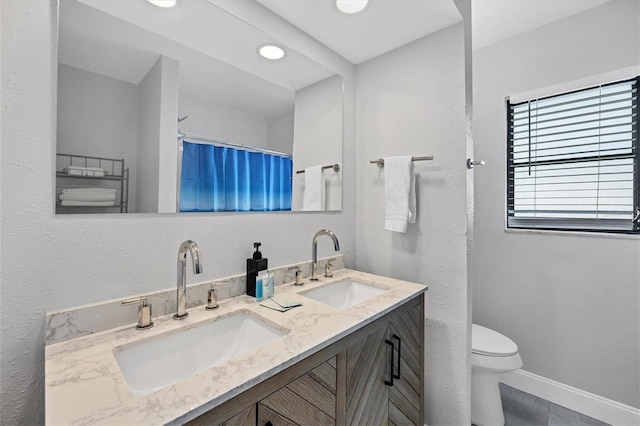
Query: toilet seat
487	342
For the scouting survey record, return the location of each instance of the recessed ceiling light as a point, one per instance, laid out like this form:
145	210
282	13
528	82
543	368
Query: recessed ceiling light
351	6
163	3
271	51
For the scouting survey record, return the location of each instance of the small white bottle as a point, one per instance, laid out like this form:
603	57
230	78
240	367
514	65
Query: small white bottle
271	286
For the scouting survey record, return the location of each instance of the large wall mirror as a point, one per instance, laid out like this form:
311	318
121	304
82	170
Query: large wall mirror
169	110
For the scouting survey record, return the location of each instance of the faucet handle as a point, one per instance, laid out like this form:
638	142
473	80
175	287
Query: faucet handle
144	312
299	276
328	268
212	298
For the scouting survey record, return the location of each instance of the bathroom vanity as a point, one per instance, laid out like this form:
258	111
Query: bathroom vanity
360	362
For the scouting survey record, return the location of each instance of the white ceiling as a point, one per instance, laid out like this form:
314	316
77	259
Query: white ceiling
387	24
382	26
496	20
217	51
218	62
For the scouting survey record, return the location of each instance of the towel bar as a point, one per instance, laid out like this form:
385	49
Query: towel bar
335	167
380	161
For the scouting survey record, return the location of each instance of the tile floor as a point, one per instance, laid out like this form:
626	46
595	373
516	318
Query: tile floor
523	409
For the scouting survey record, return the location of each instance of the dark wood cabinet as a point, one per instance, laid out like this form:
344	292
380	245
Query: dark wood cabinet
309	400
385	374
367	369
406	395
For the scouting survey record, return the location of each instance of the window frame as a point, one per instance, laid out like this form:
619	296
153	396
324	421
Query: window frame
588	225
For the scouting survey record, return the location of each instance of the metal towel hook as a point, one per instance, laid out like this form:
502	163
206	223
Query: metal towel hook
471	163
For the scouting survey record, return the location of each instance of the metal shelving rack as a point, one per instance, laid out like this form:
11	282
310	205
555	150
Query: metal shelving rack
116	175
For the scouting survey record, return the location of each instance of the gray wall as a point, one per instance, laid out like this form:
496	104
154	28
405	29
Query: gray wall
570	302
411	101
51	262
88	106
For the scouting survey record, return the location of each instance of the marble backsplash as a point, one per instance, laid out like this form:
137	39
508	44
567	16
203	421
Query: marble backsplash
70	323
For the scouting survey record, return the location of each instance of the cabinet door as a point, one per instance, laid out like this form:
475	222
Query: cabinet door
405	396
309	400
367	362
385	374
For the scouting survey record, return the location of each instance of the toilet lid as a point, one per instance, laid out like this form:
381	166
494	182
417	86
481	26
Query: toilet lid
485	341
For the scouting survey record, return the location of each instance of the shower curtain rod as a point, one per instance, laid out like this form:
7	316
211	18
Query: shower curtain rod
235	145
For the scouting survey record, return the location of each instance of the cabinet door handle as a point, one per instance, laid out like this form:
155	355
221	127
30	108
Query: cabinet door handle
387	382
397	376
268	424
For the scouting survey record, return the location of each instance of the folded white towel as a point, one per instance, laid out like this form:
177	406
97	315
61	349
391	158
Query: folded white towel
88	203
400	193
313	198
88	194
88	189
85	171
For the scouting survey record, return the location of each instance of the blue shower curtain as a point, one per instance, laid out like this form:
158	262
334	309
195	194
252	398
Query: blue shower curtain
219	179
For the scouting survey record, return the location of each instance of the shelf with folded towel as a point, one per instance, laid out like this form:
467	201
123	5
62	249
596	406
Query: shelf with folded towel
90	206
86	184
335	167
105	177
380	161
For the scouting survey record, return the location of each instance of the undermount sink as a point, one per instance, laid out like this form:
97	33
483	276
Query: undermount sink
165	359
343	294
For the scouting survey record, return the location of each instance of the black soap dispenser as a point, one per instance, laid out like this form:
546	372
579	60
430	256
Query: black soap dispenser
254	266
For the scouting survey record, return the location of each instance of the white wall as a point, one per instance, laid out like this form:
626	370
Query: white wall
148	165
213	121
570	302
157	144
411	101
167	139
317	138
280	133
98	116
52	262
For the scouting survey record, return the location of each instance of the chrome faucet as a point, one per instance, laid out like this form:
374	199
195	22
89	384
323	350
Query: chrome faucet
314	250
182	275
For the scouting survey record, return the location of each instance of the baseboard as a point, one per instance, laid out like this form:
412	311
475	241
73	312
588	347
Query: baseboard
603	409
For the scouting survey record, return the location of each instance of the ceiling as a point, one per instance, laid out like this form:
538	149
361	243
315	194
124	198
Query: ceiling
382	26
496	20
387	24
217	51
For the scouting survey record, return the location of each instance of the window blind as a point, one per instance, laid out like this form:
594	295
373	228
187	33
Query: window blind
573	160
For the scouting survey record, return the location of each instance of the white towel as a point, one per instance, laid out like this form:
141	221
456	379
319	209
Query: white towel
88	203
88	194
85	171
400	193
313	199
87	189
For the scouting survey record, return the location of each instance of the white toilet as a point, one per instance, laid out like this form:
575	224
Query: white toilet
491	353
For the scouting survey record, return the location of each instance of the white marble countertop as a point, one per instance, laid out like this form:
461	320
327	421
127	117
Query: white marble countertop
84	384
